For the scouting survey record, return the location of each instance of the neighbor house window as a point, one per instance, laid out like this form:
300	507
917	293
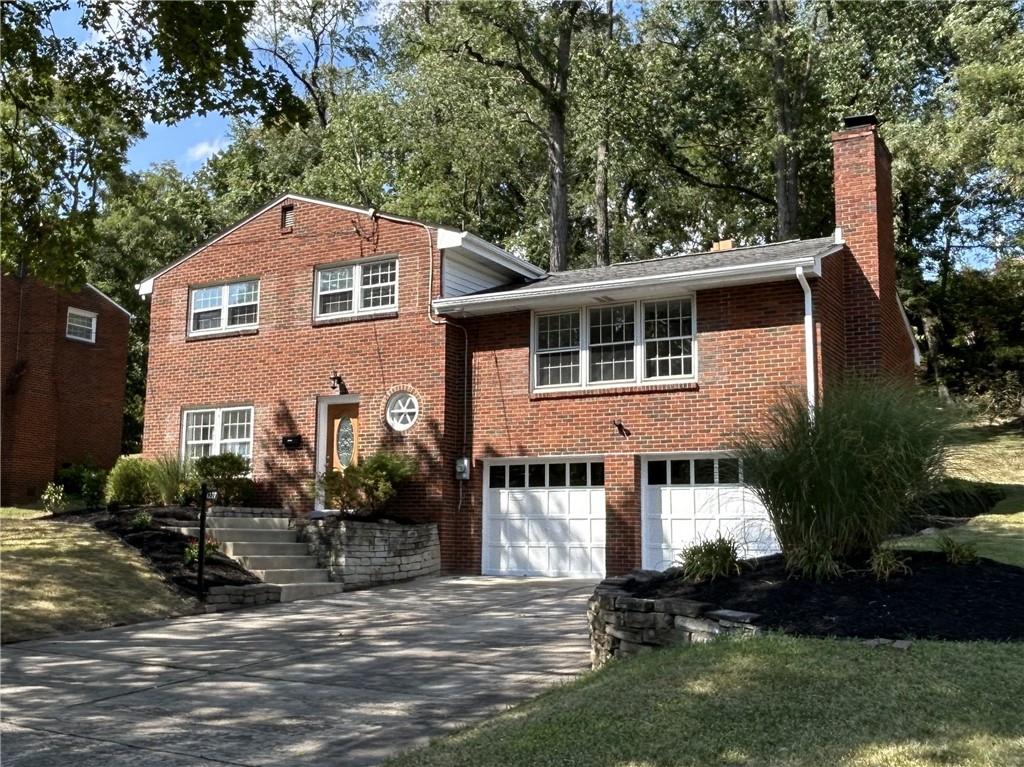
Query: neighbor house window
632	343
212	431
81	325
216	308
360	288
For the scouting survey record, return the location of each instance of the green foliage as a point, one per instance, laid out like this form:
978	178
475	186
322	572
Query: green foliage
713	558
837	485
54	498
885	563
141	520
93	484
130	481
228	474
960	498
191	554
364	488
957	552
172	478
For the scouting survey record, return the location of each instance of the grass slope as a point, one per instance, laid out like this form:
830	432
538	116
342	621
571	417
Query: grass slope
60	577
770	700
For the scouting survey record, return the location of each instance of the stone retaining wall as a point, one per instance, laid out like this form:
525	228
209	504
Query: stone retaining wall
247	511
361	554
221	598
622	624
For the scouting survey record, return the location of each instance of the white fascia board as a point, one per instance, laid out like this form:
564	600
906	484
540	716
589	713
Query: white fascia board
910	332
472	245
542	296
111	300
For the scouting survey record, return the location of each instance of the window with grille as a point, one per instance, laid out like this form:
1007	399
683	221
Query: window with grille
558	349
360	288
212	431
81	325
231	306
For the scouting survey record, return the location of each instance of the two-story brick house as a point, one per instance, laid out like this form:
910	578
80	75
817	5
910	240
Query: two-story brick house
595	407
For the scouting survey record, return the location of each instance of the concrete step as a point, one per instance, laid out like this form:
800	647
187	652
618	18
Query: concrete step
241	535
293	591
252	523
261	549
260	562
313	575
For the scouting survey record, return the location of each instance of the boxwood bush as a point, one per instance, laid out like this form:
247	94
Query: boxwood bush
228	474
837	484
130	481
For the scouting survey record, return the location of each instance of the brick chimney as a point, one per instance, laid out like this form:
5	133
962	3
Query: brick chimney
877	340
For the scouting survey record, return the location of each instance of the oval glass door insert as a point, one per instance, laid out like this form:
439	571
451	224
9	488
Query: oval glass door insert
345	441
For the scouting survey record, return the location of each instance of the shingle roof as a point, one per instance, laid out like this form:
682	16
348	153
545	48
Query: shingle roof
678	265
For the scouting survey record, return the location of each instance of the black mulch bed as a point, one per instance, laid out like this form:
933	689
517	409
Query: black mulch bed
165	549
979	601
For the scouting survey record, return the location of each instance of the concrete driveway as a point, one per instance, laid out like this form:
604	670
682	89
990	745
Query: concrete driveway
344	680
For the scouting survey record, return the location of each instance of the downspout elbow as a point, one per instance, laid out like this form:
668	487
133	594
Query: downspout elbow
809	357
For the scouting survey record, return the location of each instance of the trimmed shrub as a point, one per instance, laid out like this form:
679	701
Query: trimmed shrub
171	477
365	488
54	498
714	558
836	485
228	474
130	481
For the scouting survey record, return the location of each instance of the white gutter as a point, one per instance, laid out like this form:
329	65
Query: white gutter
809	361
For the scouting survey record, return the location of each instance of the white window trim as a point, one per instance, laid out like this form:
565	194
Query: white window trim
218	413
690	457
81	313
639	378
225	290
357	309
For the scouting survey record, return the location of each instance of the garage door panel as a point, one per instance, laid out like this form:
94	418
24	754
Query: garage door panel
558	502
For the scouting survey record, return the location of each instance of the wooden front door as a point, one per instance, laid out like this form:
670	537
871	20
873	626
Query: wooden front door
342	436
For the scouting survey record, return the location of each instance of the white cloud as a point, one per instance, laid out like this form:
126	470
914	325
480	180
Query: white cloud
204	150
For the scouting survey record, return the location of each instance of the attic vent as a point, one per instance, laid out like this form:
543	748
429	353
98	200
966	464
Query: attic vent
721	245
287	216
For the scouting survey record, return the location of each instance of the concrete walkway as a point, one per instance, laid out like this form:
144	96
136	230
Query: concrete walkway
348	679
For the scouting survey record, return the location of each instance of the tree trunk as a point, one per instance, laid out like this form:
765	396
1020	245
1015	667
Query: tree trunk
786	167
558	193
601	174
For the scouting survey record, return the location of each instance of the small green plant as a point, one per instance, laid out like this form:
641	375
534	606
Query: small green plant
191	555
141	520
885	563
171	478
130	481
93	482
709	559
228	474
957	553
54	498
364	488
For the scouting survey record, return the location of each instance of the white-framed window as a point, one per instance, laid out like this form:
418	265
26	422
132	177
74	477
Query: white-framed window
360	288
230	306
402	411
638	342
81	325
212	431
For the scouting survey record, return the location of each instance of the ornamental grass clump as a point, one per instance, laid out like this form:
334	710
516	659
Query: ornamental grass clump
835	485
710	559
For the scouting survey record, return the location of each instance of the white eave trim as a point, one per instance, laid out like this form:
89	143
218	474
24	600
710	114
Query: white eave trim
525	298
910	332
111	300
467	242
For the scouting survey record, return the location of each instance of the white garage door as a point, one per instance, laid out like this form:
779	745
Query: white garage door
689	498
544	517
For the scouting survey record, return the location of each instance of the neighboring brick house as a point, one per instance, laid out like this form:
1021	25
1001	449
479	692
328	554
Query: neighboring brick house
64	359
596	407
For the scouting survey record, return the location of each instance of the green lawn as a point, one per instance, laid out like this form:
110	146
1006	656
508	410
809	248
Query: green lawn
771	700
60	577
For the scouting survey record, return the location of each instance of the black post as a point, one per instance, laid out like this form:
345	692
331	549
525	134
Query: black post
200	580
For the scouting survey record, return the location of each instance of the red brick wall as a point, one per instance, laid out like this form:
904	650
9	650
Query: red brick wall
750	351
63	399
877	340
282	368
829	301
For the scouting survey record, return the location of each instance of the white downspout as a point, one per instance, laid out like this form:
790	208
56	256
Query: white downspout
809	361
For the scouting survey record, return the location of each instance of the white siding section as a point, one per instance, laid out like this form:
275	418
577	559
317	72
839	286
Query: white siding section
462	275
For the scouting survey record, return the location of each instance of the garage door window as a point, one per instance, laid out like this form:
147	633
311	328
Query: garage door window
694	471
541	475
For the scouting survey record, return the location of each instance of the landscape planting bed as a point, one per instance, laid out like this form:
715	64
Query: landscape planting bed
937	600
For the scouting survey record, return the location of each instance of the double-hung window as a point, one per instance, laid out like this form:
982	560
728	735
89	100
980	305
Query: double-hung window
360	288
635	343
81	325
217	308
212	431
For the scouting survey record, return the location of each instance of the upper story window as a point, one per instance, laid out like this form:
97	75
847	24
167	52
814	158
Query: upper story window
212	431
359	288
81	325
640	342
217	308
